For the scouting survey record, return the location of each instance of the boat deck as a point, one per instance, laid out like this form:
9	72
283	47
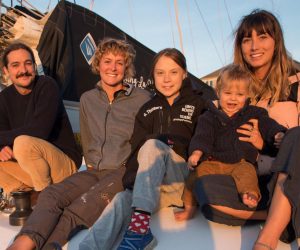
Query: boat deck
197	233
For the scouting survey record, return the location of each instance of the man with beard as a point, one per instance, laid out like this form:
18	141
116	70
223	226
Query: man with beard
37	146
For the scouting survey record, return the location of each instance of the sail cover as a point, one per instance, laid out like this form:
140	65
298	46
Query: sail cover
61	54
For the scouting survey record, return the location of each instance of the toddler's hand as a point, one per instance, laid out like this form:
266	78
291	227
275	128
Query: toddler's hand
278	139
193	160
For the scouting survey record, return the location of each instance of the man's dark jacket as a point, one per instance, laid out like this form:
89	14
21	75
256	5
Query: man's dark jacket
40	114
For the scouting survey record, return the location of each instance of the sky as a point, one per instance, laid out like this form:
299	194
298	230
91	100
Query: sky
202	29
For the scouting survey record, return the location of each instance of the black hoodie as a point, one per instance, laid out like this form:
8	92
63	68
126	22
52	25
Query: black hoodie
217	138
173	125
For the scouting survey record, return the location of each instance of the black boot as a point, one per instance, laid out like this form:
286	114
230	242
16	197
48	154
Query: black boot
23	208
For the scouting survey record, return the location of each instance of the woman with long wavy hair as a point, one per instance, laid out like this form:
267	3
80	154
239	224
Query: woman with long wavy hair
259	49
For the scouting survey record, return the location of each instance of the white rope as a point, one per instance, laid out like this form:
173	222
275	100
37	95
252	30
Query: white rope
131	18
171	23
0	13
192	35
228	15
91	5
178	26
49	4
220	11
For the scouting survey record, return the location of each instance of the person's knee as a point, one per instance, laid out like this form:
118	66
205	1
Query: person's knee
123	197
22	145
244	168
149	143
120	196
152	145
53	196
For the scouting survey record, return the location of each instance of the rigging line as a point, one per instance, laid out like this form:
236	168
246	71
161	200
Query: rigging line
208	31
91	5
8	20
272	3
131	18
47	10
192	36
18	12
171	23
36	11
228	15
221	28
0	13
178	26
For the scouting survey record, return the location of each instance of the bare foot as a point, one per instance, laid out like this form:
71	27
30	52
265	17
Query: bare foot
266	240
186	214
250	199
23	242
262	246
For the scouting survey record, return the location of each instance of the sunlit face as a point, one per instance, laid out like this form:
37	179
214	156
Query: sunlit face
20	69
233	96
168	76
258	51
112	69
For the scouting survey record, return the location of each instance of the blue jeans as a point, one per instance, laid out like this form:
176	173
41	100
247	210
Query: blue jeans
159	183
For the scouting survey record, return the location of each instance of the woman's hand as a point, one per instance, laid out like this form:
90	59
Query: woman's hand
252	134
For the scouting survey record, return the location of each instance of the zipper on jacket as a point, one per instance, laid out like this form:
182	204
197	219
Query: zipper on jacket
169	121
161	120
105	129
104	141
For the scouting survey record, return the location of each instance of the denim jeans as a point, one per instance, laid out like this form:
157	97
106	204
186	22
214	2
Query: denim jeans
159	183
160	177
